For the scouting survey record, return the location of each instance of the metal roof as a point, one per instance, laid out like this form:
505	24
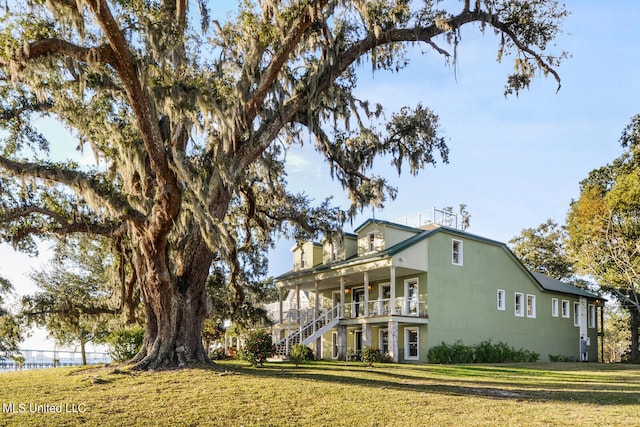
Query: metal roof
545	282
551	284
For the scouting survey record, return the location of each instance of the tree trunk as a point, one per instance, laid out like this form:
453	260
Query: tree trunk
175	305
635	333
83	352
173	336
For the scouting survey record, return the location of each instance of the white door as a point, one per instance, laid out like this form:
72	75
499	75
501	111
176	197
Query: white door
358	303
411	297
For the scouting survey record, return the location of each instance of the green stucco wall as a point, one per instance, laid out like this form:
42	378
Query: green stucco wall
463	302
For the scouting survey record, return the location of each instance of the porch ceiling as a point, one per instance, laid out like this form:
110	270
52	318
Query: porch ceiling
331	279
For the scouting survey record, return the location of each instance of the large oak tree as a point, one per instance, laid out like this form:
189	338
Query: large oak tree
191	119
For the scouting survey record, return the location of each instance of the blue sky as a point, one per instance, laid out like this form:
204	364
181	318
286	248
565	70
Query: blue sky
515	162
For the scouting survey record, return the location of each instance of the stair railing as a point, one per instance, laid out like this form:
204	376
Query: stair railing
312	324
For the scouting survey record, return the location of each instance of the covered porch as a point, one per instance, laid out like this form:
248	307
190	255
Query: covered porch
351	299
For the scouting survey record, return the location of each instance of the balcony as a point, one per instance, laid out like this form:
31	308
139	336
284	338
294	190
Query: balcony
399	306
385	307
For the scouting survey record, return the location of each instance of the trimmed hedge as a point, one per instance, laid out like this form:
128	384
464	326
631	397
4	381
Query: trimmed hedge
485	352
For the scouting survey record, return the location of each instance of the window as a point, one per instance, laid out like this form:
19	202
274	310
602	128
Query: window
334	252
592	316
371	242
531	306
334	345
302	258
576	314
501	302
411	344
384	341
456	252
519	304
554	307
565	309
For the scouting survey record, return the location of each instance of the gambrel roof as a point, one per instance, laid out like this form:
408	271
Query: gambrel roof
544	282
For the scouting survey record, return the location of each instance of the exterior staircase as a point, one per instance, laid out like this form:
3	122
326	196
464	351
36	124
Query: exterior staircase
308	332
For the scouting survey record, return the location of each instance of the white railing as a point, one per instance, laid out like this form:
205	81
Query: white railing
307	321
384	307
312	324
379	307
299	316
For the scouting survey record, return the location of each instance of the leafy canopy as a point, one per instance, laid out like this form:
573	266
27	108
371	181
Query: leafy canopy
11	330
542	250
603	226
230	100
190	120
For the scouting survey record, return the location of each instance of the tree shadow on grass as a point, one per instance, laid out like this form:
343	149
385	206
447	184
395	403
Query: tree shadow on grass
465	380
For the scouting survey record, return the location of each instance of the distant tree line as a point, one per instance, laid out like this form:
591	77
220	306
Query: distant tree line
598	247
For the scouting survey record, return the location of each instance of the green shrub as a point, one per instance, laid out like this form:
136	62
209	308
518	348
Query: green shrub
217	354
561	358
451	353
300	353
369	355
485	352
125	343
258	348
386	358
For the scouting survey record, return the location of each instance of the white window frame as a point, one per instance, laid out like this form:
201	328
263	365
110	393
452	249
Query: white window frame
335	351
531	306
554	307
518	306
566	313
592	316
406	343
501	303
302	258
371	242
459	251
407	306
380	340
357	308
333	252
384	304
576	313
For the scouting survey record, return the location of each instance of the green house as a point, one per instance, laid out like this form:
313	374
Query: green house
406	289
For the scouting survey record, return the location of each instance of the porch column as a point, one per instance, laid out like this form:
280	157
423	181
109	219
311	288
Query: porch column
341	309
316	294
280	291
316	312
366	335
601	333
393	340
342	342
392	303
298	311
366	295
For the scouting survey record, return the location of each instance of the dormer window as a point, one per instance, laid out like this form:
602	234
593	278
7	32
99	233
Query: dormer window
302	258
334	252
371	242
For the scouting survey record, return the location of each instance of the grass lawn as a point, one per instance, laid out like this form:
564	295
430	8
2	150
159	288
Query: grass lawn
326	394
